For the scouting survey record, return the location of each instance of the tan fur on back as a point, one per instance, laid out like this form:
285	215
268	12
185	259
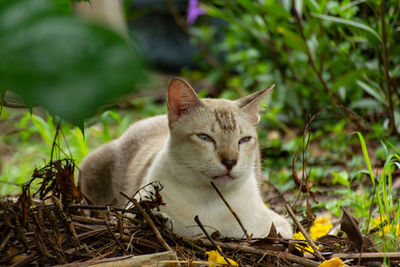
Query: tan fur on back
198	142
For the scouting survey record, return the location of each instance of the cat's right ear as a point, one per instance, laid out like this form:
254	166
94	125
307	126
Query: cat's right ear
181	98
250	104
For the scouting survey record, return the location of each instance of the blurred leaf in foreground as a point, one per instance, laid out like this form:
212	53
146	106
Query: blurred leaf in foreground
68	66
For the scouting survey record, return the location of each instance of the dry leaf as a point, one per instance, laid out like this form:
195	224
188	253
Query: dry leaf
349	225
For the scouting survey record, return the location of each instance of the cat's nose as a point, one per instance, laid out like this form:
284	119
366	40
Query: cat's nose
229	163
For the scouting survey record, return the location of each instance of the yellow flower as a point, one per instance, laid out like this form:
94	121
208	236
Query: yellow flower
386	226
300	236
334	262
215	257
320	228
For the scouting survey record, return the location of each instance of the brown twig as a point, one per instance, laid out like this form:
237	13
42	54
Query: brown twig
4	242
151	223
12	105
58	129
304	232
89	234
231	210
368	255
188	242
115	238
197	220
101	207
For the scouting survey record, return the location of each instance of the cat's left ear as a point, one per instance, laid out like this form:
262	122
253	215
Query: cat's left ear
251	103
181	98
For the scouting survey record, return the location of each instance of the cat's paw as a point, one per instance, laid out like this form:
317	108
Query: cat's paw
285	232
166	220
283	228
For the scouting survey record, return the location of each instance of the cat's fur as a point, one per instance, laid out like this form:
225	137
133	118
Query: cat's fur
176	151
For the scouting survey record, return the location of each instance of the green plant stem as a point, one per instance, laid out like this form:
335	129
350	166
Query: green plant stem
386	69
309	56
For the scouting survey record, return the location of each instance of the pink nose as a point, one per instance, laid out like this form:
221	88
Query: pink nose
229	163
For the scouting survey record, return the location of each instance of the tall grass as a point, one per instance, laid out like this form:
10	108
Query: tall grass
386	211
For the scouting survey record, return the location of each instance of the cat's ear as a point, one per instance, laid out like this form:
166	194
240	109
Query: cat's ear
251	103
181	98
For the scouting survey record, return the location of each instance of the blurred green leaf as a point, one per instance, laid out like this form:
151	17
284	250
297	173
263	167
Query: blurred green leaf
64	6
68	66
341	177
374	92
248	5
358	25
274	10
313	6
366	103
347	79
218	13
292	39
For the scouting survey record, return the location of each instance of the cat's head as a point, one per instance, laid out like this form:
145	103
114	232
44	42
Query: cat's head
213	139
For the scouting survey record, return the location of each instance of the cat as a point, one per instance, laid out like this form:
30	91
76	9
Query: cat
198	141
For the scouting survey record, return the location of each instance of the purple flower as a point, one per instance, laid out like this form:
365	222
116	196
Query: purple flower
193	11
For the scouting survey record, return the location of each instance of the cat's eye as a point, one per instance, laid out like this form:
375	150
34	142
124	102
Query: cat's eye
244	140
205	137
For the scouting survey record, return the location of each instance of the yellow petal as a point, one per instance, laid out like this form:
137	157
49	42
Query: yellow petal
318	230
321	220
299	235
215	257
334	262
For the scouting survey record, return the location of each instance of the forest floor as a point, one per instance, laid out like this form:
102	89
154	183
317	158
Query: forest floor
48	227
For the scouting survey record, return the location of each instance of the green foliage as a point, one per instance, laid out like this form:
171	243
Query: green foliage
319	53
55	60
28	145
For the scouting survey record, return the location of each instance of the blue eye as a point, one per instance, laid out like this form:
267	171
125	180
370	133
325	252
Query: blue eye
244	140
205	137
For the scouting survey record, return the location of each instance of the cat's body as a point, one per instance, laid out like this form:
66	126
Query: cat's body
198	142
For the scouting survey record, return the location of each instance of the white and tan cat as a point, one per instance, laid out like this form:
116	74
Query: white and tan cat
199	141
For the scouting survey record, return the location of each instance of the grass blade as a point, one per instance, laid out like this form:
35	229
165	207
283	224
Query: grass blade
366	157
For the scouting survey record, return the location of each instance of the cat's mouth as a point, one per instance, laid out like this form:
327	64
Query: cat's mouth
226	176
